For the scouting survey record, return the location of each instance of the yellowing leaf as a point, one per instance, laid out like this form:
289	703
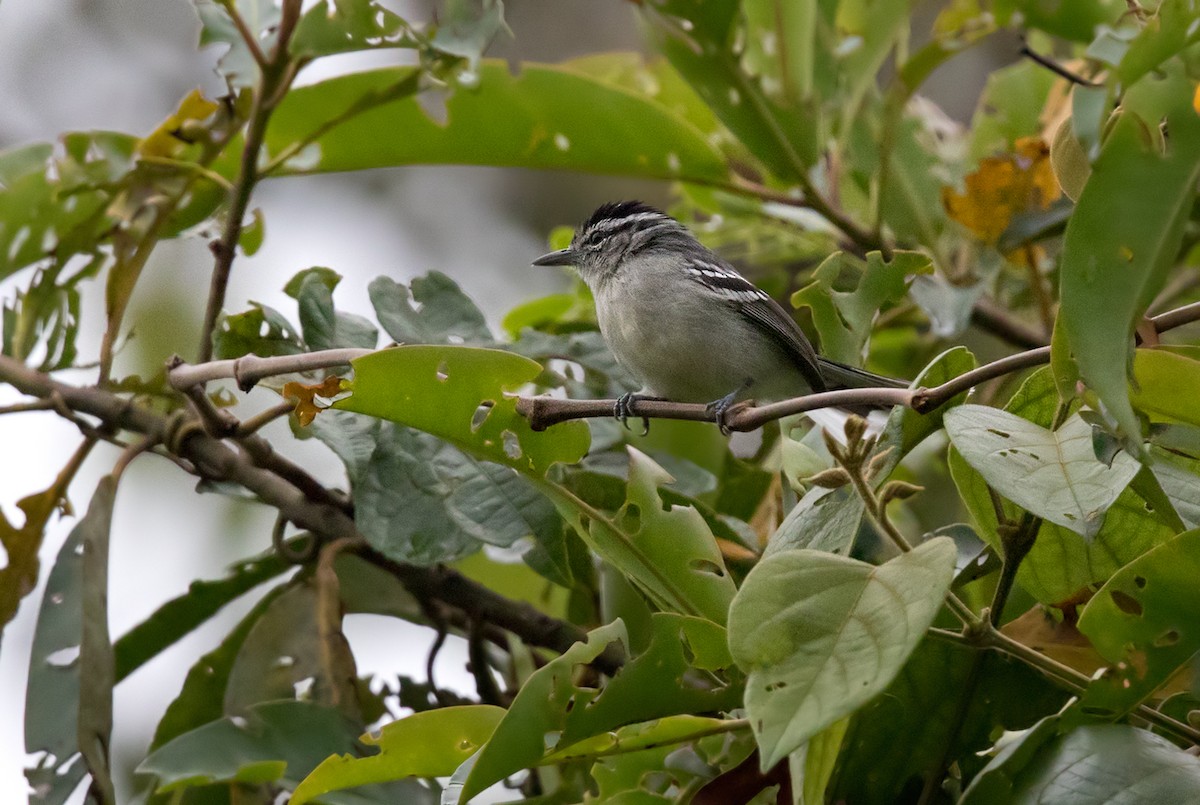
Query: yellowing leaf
1003	186
307	406
164	141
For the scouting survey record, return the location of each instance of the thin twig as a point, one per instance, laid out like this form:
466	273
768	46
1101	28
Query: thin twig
1054	67
990	317
275	76
248	370
262	418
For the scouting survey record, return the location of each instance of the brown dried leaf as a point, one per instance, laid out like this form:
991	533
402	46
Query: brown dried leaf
1003	186
307	404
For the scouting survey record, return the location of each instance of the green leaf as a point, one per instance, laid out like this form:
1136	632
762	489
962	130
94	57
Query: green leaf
551	715
340	26
1010	108
1178	477
19	576
1171	30
828	520
1120	243
538	711
251	239
661	732
259	331
182	614
275	742
324	327
419	499
1141	622
812	765
217	27
438	312
896	741
1053	474
430	744
1164	383
667	551
202	695
822	520
59	707
1074	21
844	318
444	390
467	27
698	41
286	646
1061	562
820	635
54	202
1102	763
906	428
547	117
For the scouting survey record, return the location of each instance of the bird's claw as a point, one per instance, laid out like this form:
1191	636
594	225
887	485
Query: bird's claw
719	408
624	409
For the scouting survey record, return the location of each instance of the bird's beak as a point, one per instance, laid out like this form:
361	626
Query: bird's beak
562	257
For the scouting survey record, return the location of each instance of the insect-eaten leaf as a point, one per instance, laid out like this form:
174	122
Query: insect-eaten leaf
312	400
1053	474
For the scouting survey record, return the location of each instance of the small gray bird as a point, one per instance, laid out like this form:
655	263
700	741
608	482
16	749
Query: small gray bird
685	323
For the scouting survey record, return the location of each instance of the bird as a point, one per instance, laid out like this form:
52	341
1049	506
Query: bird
685	323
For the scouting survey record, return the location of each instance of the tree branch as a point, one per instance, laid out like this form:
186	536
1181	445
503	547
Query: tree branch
249	369
542	412
213	459
990	317
276	74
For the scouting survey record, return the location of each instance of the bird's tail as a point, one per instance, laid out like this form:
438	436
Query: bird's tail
840	376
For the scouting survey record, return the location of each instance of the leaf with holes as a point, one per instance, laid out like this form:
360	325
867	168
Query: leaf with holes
545	117
1053	474
844	318
430	744
437	312
820	635
1061	562
276	742
52	696
1124	237
1143	621
667	551
459	394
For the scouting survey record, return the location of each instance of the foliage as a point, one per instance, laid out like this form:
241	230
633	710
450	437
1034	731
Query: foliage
908	616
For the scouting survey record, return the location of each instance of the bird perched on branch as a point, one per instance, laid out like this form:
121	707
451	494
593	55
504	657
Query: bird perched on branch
685	323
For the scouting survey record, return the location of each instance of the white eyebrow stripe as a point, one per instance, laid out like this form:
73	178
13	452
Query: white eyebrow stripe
614	223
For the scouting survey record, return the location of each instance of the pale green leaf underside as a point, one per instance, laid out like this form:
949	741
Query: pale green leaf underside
820	635
1053	474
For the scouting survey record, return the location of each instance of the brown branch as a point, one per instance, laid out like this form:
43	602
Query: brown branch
215	460
542	412
987	315
248	370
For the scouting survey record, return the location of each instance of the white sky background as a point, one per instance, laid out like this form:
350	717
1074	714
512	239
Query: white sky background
124	64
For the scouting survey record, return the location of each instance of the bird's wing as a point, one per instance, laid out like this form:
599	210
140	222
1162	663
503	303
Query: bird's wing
760	310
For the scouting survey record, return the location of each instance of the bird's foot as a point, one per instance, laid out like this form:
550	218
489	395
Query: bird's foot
624	409
719	408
